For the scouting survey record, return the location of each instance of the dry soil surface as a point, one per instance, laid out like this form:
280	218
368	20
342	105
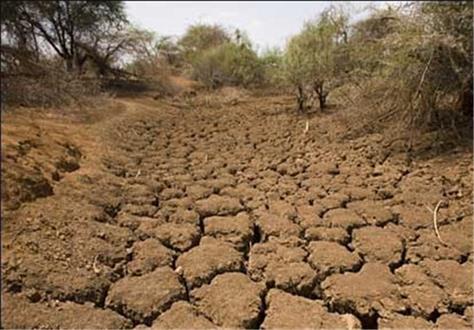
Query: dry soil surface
214	211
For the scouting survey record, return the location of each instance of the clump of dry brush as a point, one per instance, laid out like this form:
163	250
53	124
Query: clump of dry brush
414	64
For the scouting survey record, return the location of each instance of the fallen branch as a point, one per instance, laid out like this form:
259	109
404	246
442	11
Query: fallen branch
97	270
435	221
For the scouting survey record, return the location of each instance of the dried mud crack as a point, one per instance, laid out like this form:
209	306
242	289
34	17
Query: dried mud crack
234	217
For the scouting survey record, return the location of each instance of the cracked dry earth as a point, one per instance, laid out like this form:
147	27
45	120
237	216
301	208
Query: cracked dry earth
230	216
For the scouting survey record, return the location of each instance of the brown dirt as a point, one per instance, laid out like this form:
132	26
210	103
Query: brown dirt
218	210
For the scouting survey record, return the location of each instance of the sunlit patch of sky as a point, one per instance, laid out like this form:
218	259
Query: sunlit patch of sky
268	24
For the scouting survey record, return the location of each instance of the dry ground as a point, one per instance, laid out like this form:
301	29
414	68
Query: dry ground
220	211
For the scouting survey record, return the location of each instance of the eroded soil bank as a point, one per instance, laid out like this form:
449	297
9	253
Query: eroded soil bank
212	212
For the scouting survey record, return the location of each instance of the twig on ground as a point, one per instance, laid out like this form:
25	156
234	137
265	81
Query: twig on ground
138	174
306	127
435	221
97	270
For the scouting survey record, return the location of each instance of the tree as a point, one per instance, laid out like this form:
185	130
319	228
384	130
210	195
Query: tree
201	37
228	64
297	68
17	34
169	50
65	25
271	60
317	56
149	54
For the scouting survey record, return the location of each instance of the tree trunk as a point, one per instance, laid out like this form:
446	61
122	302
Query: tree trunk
300	99
69	64
465	99
322	95
80	62
322	101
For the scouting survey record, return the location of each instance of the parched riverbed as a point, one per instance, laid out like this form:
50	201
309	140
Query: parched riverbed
198	215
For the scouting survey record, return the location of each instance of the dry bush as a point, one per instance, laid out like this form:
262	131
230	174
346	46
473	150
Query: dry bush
414	72
53	88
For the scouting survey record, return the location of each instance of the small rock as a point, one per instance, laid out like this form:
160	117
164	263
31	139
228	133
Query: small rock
453	321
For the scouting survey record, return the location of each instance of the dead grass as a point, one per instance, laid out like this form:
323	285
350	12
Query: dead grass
52	89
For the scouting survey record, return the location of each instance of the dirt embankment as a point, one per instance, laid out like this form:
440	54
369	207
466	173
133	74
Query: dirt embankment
207	211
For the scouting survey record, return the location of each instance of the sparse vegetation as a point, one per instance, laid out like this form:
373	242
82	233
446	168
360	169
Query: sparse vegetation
201	37
414	64
315	59
229	64
152	181
410	65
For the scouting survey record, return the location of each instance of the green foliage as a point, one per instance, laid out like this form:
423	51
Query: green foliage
316	57
201	37
271	61
229	64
